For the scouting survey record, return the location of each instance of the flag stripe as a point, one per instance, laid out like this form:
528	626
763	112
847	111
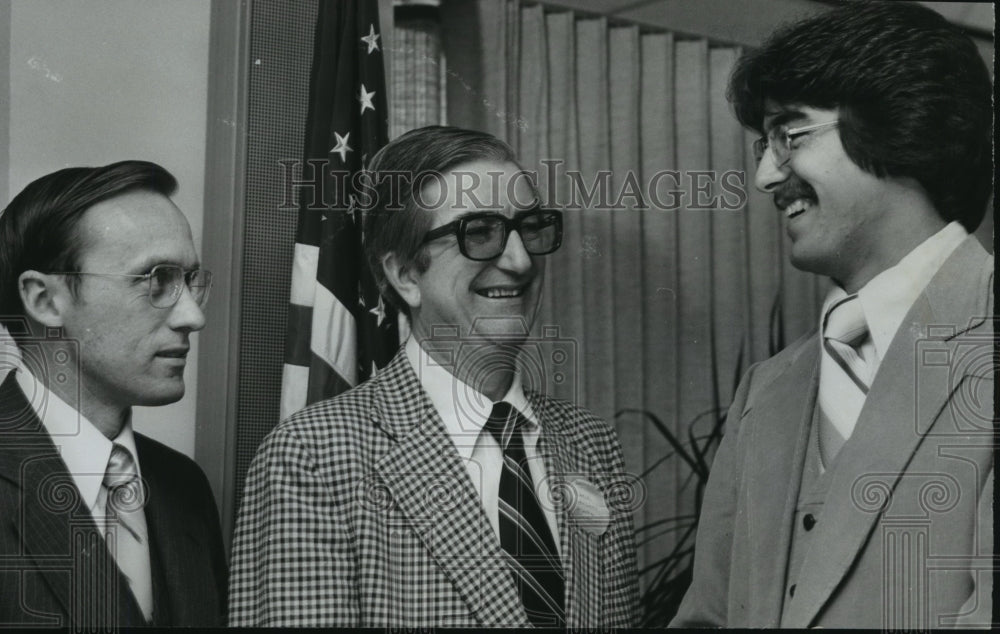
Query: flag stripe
334	335
295	384
297	350
340	258
324	381
304	262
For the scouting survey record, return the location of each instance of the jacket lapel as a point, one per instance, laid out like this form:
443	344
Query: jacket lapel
176	555
774	461
430	485
902	407
580	550
43	534
52	522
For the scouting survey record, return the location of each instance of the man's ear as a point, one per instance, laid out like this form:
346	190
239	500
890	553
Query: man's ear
403	278
44	297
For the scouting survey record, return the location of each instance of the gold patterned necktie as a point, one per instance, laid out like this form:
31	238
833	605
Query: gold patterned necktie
844	373
125	500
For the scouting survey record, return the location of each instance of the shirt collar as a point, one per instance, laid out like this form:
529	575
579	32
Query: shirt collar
83	448
888	296
463	409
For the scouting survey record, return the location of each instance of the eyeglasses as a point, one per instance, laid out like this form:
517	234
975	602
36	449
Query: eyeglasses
780	138
166	283
483	236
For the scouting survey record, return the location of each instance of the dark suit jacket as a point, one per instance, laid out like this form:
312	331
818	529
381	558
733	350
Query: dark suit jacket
55	569
358	511
904	539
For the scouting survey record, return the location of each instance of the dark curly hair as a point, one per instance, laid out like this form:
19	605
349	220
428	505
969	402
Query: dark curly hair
914	96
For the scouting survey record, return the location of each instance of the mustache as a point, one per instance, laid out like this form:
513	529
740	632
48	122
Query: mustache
791	190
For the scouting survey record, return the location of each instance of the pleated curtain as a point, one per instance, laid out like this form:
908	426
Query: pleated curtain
667	308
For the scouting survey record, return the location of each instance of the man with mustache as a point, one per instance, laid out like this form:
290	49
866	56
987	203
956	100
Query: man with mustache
101	527
442	492
854	483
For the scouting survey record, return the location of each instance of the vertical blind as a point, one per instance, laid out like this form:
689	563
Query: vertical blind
665	307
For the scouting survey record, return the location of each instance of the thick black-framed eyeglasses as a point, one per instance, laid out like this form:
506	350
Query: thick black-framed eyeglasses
483	236
166	283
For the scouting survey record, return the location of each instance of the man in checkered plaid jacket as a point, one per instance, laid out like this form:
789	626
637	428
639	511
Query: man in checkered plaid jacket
441	492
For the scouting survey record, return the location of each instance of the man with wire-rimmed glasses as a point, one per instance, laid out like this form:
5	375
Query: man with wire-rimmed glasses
442	492
854	484
101	288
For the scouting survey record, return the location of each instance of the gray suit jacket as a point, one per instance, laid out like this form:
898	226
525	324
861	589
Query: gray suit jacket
905	535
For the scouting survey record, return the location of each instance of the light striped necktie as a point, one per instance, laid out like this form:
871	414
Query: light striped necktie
845	374
524	533
125	500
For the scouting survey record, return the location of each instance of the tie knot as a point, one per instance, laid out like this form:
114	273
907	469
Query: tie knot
845	322
504	420
121	468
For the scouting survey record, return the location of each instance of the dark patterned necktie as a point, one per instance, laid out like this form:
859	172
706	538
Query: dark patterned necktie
524	533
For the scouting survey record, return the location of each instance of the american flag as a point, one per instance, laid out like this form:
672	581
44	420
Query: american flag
339	329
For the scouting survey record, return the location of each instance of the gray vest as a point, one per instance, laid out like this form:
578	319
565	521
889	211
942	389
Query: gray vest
808	510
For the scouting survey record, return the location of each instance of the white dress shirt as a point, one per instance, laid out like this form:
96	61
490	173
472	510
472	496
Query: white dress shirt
888	296
86	452
83	448
464	412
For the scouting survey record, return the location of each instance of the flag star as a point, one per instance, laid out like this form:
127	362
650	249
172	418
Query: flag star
379	312
374	370
342	148
366	99
371	39
361	295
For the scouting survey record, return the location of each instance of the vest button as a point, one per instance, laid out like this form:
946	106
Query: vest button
808	521
791	591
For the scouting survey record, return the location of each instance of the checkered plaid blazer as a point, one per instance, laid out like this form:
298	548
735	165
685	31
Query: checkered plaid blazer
358	511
